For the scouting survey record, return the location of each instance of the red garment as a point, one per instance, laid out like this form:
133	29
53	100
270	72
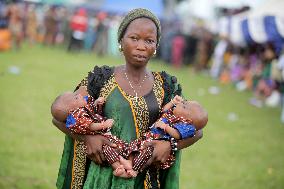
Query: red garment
178	46
79	21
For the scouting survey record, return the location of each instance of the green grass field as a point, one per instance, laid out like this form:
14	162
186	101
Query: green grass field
247	153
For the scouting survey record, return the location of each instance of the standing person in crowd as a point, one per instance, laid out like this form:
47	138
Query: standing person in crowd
263	82
204	49
78	25
31	28
218	57
112	36
50	24
15	17
134	99
178	46
100	46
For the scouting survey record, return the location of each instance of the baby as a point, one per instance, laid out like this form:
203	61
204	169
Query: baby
180	119
82	115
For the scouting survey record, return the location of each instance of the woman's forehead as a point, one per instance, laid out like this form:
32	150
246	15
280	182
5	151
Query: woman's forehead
142	24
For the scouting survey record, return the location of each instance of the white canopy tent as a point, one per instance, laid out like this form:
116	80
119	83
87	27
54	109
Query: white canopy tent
261	24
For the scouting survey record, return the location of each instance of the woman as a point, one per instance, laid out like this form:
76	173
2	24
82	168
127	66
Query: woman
134	98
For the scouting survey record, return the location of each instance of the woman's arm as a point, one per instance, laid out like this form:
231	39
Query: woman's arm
94	143
189	141
162	148
61	126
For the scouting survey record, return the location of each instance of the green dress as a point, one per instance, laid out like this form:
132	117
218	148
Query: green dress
132	118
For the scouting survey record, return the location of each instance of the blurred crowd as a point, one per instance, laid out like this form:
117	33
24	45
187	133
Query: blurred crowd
96	31
56	25
256	67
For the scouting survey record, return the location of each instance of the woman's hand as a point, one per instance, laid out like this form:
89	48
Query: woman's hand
94	147
162	150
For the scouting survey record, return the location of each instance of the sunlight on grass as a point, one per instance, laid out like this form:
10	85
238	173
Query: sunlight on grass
245	153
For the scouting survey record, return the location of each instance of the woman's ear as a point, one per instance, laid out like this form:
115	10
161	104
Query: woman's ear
120	47
155	53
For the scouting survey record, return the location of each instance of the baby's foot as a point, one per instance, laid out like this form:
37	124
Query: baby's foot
126	163
119	171
108	123
131	172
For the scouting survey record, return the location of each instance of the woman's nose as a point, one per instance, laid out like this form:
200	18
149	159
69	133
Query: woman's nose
141	45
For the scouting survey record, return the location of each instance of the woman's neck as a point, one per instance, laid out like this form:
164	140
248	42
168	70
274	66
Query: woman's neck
136	74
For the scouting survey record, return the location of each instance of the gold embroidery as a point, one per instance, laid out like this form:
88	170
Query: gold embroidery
158	88
79	165
79	157
108	87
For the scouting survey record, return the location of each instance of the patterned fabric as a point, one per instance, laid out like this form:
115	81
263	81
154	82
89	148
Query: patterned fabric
183	126
79	120
112	154
121	105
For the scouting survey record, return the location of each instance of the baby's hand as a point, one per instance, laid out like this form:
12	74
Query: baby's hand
101	126
177	99
131	173
108	123
161	125
100	100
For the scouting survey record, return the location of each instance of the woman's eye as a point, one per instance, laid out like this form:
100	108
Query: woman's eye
149	41
134	38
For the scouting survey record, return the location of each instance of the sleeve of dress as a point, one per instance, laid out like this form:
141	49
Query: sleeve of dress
79	122
83	82
97	78
171	87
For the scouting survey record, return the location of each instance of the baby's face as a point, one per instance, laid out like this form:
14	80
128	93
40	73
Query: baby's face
182	109
74	100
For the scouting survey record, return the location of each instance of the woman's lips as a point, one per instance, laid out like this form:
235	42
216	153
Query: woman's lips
139	57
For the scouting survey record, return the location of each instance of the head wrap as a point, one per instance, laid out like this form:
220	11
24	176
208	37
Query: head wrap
138	13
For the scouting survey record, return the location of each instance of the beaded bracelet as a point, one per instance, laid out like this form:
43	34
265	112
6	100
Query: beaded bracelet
173	142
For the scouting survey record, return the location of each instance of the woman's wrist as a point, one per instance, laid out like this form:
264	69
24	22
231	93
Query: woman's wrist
174	144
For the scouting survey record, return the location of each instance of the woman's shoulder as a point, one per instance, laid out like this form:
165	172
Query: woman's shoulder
97	78
171	79
102	70
170	86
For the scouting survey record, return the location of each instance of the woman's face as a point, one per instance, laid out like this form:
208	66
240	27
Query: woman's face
139	41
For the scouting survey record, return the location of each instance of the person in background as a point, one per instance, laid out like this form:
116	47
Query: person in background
78	25
50	24
31	28
15	17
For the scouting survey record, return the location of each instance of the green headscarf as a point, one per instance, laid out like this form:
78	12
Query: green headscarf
134	14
